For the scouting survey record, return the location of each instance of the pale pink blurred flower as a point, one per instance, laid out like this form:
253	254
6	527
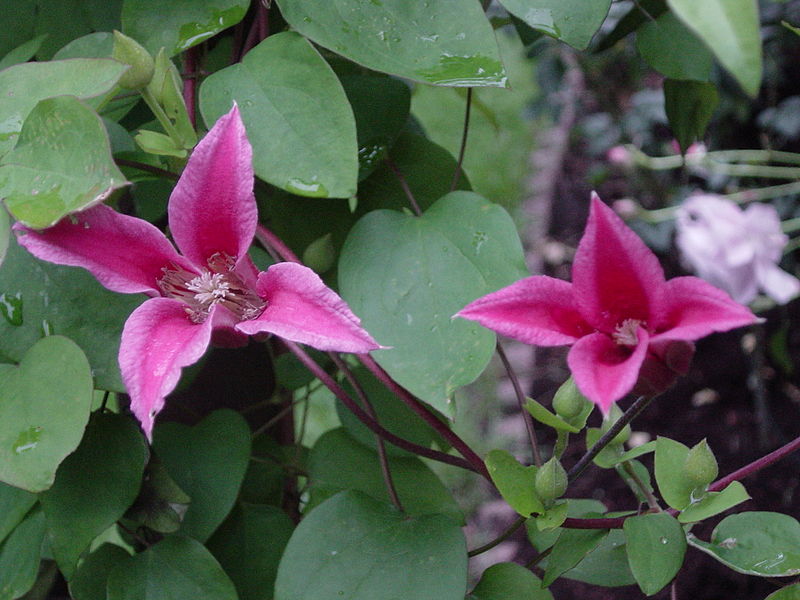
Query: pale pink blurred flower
734	249
620	155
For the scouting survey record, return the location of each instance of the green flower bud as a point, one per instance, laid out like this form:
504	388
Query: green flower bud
129	51
701	466
320	254
551	481
568	402
613	416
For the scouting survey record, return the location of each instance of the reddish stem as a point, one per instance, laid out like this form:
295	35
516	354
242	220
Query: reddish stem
270	240
190	83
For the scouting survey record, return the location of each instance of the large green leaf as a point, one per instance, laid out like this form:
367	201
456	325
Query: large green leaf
94	486
675	487
790	592
20	555
44	407
89	581
337	462
673	50
37	298
296	114
178	568
756	543
25	85
61	164
22	53
655	545
355	547
406	276
249	545
443	42
689	106
572	21
507	581
570	548
731	29
208	461
14	505
178	24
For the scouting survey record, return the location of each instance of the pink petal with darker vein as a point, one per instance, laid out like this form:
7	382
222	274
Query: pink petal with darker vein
615	276
124	253
212	208
605	371
158	340
694	308
301	308
536	310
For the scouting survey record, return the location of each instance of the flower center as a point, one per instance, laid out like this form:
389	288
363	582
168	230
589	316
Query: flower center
625	333
216	285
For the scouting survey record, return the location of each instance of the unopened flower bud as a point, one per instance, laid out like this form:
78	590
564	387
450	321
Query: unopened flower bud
701	466
551	481
129	51
613	416
320	254
568	401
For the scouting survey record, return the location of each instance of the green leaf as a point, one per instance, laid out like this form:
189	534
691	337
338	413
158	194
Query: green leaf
731	29
44	407
553	517
393	415
208	461
514	481
576	507
94	486
714	503
249	545
426	167
355	547
380	106
643	475
337	462
689	106
160	504
504	581
668	46
655	545
606	565
263	483
637	15
570	549
91	577
5	233
443	42
574	22
429	268
61	137
25	85
14	505
19	556
159	144
23	52
37	298
178	568
179	24
790	592
608	456
675	487
544	416
296	114
756	543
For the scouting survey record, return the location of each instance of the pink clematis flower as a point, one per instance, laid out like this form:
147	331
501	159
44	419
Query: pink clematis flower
626	324
211	287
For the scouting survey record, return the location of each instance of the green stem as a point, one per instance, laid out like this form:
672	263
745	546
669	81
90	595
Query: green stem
499	539
537	457
162	117
791	225
562	439
652	501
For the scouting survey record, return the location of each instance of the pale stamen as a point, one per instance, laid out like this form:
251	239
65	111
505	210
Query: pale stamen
626	334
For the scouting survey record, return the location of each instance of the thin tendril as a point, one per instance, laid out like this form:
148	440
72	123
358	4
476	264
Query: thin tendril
404	184
462	150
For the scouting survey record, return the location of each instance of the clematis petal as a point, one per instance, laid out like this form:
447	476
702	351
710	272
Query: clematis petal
694	308
614	275
301	308
776	283
124	253
605	371
157	341
536	310
212	208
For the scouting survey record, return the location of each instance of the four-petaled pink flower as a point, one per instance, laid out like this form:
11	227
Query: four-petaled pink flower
622	318
211	287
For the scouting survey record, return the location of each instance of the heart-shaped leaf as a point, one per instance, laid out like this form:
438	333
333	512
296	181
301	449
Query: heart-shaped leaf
208	462
296	114
44	407
355	547
655	544
94	486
